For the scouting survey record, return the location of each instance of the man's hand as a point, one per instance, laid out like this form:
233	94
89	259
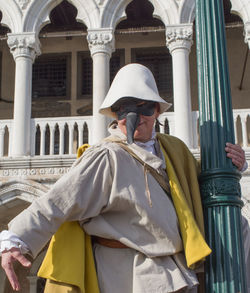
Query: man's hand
236	153
8	258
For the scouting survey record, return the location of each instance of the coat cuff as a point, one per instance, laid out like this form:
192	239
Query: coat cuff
9	240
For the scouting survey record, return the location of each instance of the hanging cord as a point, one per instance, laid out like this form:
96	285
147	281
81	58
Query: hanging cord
158	177
146	183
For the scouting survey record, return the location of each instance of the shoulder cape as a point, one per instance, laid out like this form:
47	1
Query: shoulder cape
69	259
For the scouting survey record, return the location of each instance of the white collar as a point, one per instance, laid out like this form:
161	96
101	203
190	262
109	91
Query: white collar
151	150
148	145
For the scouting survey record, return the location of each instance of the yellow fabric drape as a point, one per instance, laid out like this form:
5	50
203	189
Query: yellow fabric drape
182	173
69	264
182	170
69	259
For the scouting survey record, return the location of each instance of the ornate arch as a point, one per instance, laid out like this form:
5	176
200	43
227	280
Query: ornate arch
37	15
242	9
239	7
114	12
16	195
12	15
166	11
88	12
26	190
187	11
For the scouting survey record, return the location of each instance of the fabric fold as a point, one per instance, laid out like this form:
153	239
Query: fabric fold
186	198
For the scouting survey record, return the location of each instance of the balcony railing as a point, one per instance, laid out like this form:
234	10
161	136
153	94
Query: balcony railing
62	135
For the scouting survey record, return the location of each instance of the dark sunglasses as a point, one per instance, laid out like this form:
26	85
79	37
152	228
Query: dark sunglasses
122	108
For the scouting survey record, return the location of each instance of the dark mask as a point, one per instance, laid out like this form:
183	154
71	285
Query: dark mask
131	109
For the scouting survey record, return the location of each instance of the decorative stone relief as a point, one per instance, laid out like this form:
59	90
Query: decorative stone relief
26	187
33	172
21	187
101	41
26	44
23	3
179	37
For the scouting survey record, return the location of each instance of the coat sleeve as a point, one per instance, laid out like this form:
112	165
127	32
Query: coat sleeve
78	196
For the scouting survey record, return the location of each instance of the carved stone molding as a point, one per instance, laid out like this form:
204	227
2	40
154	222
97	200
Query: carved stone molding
20	188
27	188
101	41
179	37
24	45
247	33
23	3
30	172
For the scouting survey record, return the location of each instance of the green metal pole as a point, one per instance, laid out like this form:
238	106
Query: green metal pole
219	180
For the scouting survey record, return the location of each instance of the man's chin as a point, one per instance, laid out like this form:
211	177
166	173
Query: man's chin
141	138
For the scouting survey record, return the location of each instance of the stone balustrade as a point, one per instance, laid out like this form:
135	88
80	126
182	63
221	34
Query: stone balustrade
59	136
62	135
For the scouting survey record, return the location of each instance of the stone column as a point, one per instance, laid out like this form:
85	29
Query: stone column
2	132
52	139
24	48
247	33
179	42
101	45
244	130
33	283
61	139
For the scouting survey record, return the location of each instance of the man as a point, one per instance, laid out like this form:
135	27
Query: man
136	192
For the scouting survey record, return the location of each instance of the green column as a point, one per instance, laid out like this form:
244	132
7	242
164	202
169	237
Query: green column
219	180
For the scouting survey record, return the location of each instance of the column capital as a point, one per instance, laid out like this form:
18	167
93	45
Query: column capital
24	45
247	33
179	37
101	41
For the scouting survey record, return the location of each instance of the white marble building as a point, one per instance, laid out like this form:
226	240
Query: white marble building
57	59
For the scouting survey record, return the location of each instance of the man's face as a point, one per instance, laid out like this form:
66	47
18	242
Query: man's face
144	130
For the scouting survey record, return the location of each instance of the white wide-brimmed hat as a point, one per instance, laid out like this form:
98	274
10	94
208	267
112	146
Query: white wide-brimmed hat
136	81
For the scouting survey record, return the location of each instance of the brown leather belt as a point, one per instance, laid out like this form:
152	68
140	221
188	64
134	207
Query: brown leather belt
111	243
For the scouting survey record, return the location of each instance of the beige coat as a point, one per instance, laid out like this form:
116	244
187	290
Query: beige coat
105	192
